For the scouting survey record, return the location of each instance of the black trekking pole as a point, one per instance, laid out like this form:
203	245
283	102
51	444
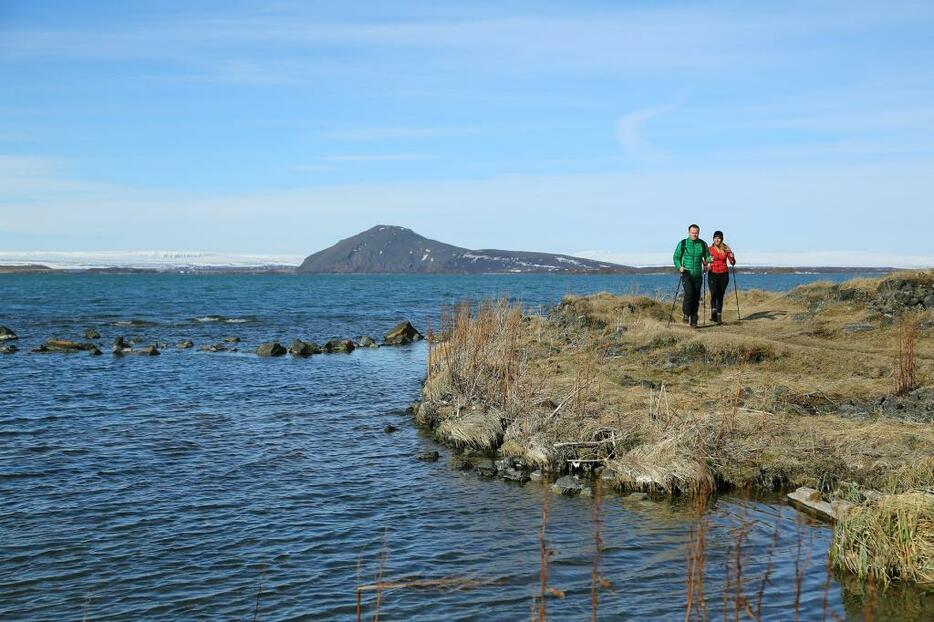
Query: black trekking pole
739	318
675	299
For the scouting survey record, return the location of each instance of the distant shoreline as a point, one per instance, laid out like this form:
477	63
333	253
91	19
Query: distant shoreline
201	270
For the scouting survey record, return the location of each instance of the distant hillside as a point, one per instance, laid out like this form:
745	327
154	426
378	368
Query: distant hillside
399	250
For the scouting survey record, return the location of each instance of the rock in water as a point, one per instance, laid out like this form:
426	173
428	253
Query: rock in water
91	334
147	351
95	351
428	456
6	333
234	339
184	344
567	485
66	345
367	342
304	348
389	429
10	349
270	348
217	347
339	345
120	346
402	333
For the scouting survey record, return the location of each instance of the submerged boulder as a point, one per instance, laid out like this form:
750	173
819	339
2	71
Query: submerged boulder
304	348
120	346
216	347
184	344
339	345
146	351
428	456
402	333
6	333
367	342
91	334
232	339
95	351
9	349
66	345
270	348
567	485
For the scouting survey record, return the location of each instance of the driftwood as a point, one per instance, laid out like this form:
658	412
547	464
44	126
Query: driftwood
810	500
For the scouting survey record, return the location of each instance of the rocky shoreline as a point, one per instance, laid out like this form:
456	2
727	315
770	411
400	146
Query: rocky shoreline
605	390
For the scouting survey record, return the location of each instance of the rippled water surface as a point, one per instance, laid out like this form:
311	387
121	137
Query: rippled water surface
223	486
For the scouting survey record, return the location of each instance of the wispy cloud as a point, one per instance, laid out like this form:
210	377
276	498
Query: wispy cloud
630	131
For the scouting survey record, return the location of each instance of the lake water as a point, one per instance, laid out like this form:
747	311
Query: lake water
197	486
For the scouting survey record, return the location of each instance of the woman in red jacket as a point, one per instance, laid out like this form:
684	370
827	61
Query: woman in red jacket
719	276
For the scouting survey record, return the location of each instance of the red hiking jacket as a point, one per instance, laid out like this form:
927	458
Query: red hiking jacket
719	260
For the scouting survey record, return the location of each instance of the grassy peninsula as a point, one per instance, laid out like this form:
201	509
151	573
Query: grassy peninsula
827	385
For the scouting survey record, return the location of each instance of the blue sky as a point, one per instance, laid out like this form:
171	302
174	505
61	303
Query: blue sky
586	127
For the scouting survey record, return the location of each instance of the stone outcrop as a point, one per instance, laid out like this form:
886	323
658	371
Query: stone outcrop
8	349
91	334
304	348
120	346
184	344
6	333
215	347
270	348
367	342
401	334
66	345
339	345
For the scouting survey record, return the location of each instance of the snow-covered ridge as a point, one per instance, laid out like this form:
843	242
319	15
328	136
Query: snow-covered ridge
153	260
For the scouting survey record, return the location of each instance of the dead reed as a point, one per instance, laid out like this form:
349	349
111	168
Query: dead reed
905	334
887	540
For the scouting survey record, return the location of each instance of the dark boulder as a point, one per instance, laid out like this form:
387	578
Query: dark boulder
66	345
120	346
184	344
402	333
91	334
567	485
95	351
367	342
6	333
216	347
270	348
389	429
428	456
339	345
304	348
10	349
146	351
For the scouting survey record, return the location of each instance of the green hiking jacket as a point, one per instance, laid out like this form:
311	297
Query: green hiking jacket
694	254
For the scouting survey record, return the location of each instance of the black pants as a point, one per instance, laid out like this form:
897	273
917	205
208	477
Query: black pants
718	284
692	292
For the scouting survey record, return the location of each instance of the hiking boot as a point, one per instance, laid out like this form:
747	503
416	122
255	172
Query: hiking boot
684	318
693	321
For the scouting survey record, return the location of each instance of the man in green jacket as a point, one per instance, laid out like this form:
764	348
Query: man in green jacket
691	258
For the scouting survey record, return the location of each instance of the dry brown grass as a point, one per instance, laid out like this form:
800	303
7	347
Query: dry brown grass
788	396
890	539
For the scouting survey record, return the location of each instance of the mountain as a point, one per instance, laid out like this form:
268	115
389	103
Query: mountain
386	248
